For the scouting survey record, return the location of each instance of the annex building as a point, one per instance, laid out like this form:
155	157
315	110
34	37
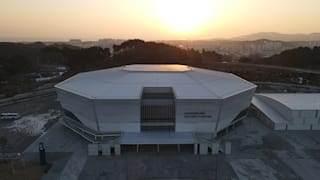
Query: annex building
152	104
289	111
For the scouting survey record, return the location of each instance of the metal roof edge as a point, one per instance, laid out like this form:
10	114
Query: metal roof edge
238	92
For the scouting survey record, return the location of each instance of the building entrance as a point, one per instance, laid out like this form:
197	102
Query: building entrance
158	111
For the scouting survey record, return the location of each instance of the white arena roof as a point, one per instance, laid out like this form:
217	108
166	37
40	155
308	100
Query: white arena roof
157	68
127	82
301	101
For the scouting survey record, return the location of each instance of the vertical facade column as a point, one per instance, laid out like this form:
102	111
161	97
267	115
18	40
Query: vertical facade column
106	149
203	149
117	149
218	118
195	148
95	114
227	148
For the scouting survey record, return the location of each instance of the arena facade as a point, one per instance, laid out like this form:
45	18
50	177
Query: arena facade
153	104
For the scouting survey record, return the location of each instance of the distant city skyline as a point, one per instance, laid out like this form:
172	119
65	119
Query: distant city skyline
60	20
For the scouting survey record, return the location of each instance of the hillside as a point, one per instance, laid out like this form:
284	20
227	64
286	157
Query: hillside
23	64
262	47
138	51
279	37
303	57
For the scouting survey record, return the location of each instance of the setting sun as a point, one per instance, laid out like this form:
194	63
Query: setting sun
184	16
153	19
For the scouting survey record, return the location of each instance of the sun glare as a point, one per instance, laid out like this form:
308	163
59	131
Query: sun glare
184	16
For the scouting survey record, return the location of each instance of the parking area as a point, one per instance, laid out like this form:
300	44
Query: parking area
153	166
257	153
38	115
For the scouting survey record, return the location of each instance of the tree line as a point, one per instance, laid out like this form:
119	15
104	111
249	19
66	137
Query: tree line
19	58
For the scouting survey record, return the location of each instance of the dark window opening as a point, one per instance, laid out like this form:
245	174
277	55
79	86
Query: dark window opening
243	113
70	115
158	111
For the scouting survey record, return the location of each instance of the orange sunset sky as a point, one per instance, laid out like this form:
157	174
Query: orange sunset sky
153	19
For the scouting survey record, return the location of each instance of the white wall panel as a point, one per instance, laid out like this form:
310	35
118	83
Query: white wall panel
304	116
296	117
315	126
118	111
280	108
79	106
196	115
310	120
119	127
280	126
299	127
118	115
308	113
124	116
232	106
184	110
196	127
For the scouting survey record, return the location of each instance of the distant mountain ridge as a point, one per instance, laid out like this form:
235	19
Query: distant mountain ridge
237	48
279	37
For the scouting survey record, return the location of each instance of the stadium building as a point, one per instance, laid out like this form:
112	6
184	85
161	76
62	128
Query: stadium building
153	104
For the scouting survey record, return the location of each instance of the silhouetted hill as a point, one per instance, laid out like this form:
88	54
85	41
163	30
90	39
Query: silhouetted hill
22	64
279	37
18	58
138	51
263	47
303	57
24	58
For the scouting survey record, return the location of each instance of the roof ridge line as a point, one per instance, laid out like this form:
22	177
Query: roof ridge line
203	86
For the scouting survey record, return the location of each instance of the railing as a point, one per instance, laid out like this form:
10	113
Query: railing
87	133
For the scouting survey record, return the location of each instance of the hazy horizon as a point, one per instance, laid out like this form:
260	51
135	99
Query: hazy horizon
44	20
